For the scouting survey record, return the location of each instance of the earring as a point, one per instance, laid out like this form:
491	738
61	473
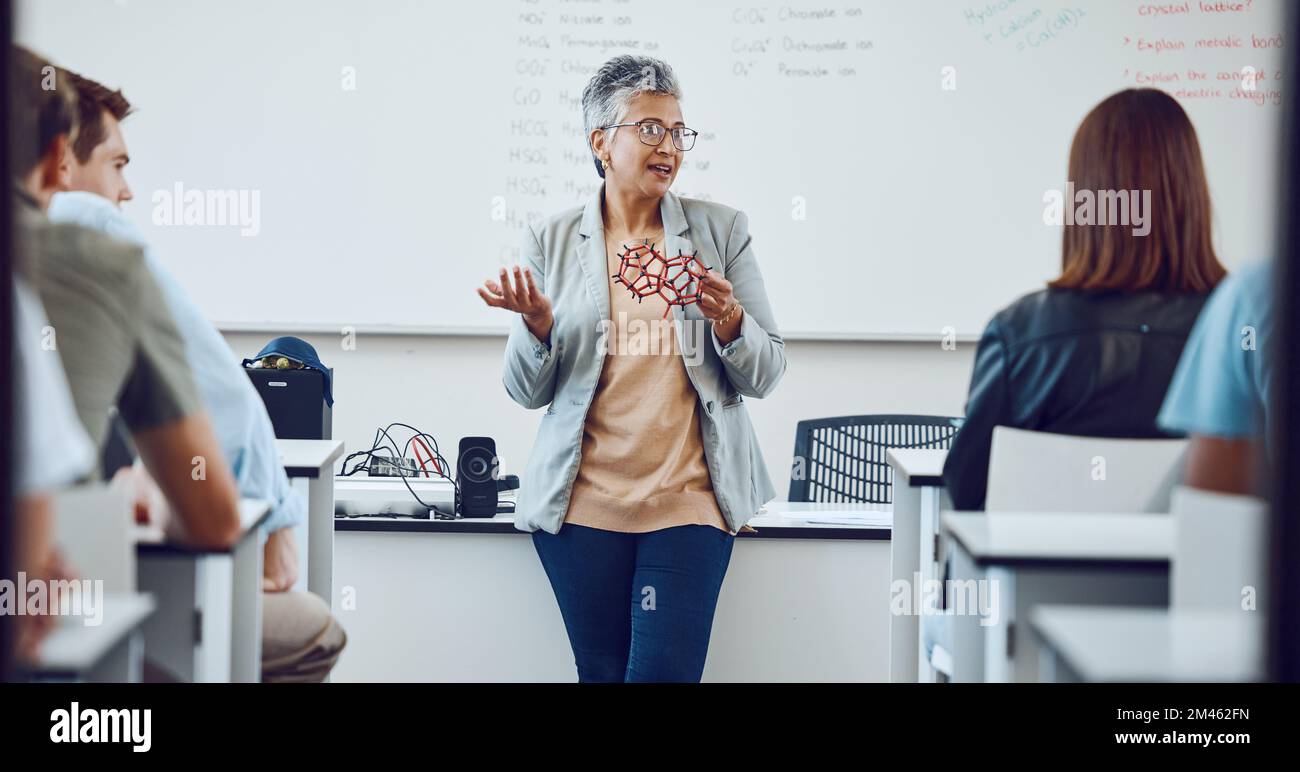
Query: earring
604	163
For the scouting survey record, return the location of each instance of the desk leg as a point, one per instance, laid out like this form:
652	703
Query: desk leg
170	632
188	634
904	628
967	632
1000	638
246	612
927	560
122	664
1051	669
216	576
1047	665
320	539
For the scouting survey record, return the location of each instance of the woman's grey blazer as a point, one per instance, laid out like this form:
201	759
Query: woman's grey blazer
567	257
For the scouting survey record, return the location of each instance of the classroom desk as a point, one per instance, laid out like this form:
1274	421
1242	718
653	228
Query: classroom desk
1022	560
208	624
109	652
313	462
913	555
1091	643
468	600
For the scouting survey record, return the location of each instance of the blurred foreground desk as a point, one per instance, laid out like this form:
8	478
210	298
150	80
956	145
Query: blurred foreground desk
109	650
1103	643
1006	564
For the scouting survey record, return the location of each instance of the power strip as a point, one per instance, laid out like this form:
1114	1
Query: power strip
382	467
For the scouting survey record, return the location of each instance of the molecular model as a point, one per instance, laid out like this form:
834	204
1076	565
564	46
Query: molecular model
645	272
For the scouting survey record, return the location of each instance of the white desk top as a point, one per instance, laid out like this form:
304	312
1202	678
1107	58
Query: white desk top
302	456
1050	536
771	515
769	523
1105	643
917	466
74	647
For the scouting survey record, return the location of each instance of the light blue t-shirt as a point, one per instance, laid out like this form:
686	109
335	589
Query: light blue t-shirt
239	417
1224	381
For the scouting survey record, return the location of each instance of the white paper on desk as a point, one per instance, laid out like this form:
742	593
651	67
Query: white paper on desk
859	521
839	516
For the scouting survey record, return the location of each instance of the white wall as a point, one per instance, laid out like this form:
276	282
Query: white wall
450	387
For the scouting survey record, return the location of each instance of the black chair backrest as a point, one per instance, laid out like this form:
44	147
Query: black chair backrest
842	459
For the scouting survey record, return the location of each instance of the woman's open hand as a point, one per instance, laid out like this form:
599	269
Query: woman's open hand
519	293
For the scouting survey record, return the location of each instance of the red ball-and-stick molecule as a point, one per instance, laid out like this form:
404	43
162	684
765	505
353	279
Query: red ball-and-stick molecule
645	272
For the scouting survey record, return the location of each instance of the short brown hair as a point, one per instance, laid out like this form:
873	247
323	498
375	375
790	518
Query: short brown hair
93	100
42	106
1141	139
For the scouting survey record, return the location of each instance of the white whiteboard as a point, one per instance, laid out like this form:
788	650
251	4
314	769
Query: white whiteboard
381	137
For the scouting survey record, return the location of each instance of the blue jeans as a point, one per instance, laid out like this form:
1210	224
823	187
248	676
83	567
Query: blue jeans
638	607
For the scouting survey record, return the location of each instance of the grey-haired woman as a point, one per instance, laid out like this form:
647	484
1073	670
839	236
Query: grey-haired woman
646	465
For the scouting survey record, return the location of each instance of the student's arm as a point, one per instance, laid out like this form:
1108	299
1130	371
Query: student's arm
1218	394
33	555
1226	465
172	432
184	459
966	470
279	561
237	412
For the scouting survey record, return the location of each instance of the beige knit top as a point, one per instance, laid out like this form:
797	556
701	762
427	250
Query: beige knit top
642	466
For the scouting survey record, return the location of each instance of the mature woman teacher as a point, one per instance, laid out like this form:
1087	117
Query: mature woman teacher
645	465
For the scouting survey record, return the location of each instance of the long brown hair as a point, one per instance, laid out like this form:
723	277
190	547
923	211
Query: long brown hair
1141	140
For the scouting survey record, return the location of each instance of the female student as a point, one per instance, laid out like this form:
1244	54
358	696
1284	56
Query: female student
1093	353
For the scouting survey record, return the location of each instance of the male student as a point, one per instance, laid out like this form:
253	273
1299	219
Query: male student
301	639
1221	392
110	325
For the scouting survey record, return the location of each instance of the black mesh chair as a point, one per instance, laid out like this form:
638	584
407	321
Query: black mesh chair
844	457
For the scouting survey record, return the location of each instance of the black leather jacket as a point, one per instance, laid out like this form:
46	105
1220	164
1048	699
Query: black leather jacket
1070	362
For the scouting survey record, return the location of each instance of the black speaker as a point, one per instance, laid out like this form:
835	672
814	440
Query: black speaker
476	477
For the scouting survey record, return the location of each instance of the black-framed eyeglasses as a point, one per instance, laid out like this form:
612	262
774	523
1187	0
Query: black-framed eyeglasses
651	133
